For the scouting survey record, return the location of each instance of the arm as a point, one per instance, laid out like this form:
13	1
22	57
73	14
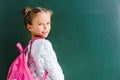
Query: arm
46	58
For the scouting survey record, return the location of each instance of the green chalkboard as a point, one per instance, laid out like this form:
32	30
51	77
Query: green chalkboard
85	36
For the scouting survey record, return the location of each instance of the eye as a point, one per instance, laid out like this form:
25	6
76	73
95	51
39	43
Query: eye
48	23
40	24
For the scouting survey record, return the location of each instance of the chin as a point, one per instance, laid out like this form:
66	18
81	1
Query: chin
45	36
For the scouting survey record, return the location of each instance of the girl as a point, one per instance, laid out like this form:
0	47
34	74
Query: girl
42	56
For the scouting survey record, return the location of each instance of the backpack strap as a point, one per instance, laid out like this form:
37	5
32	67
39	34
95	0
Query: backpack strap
45	75
19	47
30	43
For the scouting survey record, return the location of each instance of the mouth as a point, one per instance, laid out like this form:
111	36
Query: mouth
45	32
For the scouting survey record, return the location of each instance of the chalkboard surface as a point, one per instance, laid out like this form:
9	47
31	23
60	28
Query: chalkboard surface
85	36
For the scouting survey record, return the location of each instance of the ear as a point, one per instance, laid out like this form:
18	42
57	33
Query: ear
29	27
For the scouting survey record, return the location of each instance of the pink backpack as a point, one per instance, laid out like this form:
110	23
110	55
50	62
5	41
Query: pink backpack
19	70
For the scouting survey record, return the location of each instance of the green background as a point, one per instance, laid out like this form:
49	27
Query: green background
85	36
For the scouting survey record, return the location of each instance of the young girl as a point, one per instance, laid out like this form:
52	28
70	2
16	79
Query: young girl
42	56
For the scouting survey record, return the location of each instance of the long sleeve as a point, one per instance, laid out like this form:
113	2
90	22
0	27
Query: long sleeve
45	58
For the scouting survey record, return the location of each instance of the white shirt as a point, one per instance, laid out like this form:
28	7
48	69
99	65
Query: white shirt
41	58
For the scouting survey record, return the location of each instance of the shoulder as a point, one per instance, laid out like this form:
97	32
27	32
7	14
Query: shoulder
41	42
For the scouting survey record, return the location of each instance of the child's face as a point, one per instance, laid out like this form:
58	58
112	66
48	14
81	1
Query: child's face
40	25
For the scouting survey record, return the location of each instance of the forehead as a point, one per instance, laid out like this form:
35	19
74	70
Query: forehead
42	16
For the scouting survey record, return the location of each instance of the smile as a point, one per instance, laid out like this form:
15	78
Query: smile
45	32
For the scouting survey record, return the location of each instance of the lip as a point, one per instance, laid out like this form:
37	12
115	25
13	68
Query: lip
45	32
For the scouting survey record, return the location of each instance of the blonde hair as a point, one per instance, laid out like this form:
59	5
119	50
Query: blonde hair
29	13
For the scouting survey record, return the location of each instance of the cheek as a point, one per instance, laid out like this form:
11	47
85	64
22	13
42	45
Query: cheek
38	30
49	27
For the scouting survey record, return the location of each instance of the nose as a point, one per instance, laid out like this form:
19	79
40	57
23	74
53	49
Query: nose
45	27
